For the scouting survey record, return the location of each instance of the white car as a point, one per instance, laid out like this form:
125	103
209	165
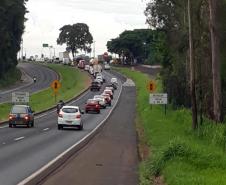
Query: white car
99	79
86	68
70	116
101	100
107	67
114	81
91	70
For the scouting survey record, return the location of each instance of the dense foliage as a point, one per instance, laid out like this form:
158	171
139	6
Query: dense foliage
139	44
12	20
76	37
171	17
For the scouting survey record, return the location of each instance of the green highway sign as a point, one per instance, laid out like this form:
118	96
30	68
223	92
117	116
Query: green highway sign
45	45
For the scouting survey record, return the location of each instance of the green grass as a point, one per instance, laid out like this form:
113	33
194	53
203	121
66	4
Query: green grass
10	78
73	82
181	155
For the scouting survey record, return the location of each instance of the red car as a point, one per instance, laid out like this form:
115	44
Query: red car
92	105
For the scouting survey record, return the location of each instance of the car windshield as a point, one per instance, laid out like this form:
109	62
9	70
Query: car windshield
19	109
70	110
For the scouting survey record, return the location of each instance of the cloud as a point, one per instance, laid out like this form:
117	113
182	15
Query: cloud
106	20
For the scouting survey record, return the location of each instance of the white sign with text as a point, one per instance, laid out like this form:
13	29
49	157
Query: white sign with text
20	97
158	99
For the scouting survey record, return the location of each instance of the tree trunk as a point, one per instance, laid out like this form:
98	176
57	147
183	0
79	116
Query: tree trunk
192	71
217	94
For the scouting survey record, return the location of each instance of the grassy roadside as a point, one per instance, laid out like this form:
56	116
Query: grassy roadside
73	82
10	78
177	153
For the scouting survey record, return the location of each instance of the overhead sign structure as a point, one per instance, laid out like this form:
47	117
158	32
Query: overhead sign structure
151	86
55	85
45	45
20	97
158	99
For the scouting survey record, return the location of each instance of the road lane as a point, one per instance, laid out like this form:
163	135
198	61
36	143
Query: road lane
22	158
111	158
44	77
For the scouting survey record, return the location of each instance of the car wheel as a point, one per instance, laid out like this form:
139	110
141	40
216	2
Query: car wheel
80	127
87	111
98	112
60	127
28	125
10	125
32	124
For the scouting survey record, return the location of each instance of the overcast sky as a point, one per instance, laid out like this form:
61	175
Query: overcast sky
105	18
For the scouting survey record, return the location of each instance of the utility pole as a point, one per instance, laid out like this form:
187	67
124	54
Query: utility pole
94	42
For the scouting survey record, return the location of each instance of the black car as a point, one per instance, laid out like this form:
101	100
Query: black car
95	86
21	115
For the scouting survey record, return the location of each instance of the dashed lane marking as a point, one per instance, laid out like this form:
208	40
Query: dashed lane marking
19	138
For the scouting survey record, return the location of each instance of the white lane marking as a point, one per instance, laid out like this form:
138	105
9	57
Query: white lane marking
4	127
19	138
35	174
3	143
45	129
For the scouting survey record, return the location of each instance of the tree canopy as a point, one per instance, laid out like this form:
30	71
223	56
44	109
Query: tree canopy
76	37
12	13
134	44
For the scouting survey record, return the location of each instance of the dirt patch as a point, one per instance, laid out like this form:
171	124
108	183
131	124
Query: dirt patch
159	181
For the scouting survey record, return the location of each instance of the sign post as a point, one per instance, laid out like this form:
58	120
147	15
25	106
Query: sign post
55	85
159	99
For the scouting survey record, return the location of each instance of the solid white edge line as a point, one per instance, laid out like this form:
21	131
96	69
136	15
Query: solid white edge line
4	127
45	129
26	180
19	138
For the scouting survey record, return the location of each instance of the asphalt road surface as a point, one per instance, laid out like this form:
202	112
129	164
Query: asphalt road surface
25	150
44	77
111	157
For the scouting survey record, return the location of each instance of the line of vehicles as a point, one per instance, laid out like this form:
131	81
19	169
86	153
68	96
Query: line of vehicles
69	116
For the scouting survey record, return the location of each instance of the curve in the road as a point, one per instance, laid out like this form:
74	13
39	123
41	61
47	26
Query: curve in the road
44	77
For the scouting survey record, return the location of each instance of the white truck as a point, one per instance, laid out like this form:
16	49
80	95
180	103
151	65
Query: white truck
64	56
97	68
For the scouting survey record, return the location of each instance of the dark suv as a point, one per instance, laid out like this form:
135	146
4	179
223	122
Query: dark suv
21	115
95	86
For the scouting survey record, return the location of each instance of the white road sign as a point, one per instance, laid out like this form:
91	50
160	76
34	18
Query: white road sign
20	97
158	99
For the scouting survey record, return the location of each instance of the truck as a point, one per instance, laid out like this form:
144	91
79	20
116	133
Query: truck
64	56
97	68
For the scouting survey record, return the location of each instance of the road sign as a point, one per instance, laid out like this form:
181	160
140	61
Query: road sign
20	97
158	99
55	85
151	86
45	45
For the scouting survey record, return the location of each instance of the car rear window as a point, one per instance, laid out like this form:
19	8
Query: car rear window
70	110
19	109
92	102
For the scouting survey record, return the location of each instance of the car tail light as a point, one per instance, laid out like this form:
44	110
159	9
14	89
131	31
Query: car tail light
26	117
60	115
78	116
11	117
97	106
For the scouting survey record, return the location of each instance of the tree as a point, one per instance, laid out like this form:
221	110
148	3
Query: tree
12	20
217	94
192	70
76	37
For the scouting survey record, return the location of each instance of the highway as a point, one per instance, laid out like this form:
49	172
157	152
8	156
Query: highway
25	150
44	77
